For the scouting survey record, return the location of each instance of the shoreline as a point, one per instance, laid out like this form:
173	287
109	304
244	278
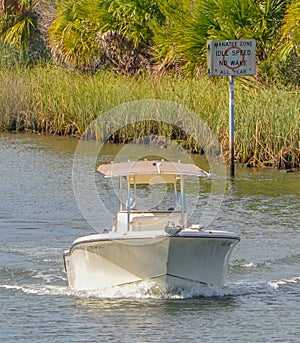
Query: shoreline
238	164
57	102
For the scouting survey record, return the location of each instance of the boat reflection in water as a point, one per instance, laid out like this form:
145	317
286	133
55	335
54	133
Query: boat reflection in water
150	244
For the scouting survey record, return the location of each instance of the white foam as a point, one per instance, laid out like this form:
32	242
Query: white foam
150	290
250	264
35	289
277	283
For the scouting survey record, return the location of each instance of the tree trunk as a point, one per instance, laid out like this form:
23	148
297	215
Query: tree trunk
6	5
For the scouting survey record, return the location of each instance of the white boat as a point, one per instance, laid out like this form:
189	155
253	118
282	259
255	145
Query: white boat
150	244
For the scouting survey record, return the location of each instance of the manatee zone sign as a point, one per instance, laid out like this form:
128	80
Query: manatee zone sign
231	57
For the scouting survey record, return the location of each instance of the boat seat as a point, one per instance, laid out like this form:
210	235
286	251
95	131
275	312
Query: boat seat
145	223
157	221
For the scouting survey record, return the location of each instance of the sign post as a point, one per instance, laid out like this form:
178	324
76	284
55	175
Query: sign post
231	58
231	124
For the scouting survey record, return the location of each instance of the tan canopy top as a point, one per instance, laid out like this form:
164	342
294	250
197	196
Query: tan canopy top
150	171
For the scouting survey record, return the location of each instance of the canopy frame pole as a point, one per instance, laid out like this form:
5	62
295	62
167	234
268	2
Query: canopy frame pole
175	193
183	224
128	204
120	194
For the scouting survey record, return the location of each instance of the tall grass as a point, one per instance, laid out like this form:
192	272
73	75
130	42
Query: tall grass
55	101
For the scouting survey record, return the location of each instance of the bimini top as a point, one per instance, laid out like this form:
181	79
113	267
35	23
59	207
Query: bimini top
150	171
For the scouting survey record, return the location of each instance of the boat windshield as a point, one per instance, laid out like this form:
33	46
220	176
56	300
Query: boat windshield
150	198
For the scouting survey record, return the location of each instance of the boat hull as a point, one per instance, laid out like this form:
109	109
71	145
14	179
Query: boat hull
98	261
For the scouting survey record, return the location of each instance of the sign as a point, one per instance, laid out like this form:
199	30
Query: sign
231	57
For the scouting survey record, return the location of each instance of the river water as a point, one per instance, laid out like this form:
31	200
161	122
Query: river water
39	219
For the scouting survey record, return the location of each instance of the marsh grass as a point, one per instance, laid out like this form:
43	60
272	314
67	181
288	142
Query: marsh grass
55	101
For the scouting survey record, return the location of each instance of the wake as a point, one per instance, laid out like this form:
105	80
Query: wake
150	290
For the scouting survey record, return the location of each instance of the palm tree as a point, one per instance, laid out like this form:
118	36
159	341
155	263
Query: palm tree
7	5
126	44
72	33
18	23
266	26
167	34
87	31
289	53
291	29
227	19
134	34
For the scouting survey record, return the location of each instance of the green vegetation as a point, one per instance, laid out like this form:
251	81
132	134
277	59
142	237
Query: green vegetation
56	101
63	63
156	36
